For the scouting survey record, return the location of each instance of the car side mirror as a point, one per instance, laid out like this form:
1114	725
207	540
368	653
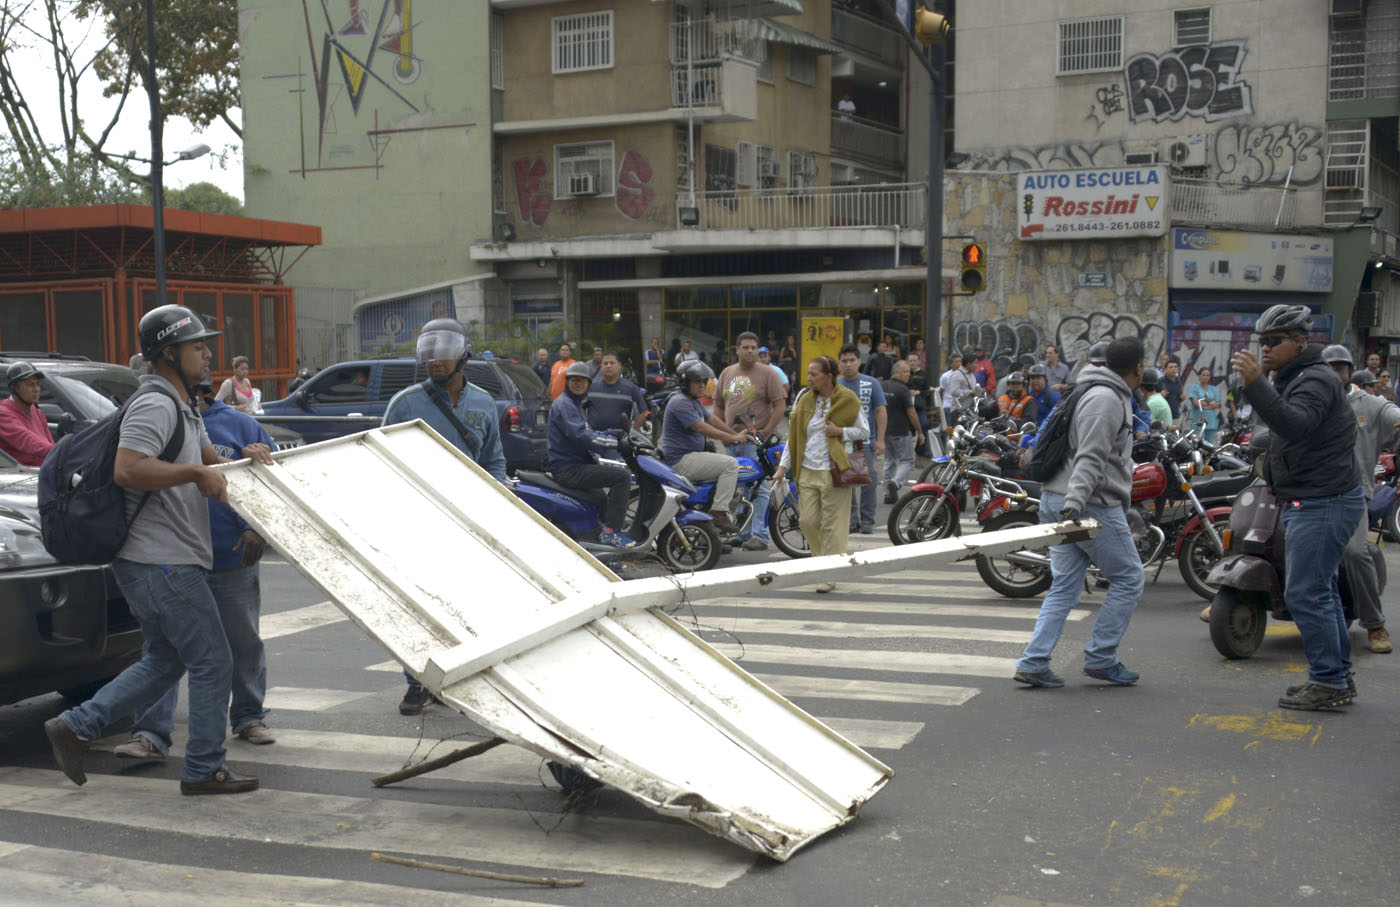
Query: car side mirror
65	425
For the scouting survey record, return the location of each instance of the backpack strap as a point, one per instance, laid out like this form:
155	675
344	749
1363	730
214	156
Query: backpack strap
439	398
172	447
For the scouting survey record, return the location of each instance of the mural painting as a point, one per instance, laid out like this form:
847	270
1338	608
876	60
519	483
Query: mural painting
1198	81
634	191
533	199
1207	341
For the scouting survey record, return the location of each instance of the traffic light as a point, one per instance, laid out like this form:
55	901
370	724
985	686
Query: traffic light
974	267
930	27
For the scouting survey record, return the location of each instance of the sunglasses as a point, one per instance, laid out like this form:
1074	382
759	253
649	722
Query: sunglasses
1272	340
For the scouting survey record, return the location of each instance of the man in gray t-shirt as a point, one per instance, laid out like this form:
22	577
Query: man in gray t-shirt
161	568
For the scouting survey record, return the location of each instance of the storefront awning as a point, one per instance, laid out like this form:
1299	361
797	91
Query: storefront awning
731	9
778	33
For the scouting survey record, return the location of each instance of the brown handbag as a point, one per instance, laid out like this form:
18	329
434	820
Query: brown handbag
858	473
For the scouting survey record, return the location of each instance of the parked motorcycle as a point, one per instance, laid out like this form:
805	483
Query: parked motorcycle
1249	578
684	538
933	509
657	397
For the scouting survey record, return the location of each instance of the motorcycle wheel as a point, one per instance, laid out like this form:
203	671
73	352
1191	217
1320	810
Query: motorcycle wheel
786	530
1236	623
1198	556
1391	523
923	517
704	547
1004	577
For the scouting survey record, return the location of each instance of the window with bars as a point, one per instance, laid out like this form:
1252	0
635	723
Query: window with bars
682	158
1090	45
498	52
770	168
584	169
748	165
498	177
583	42
1191	26
765	65
802	168
802	66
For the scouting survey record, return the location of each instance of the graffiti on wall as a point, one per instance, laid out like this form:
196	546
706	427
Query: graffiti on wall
634	191
1108	100
1057	156
1198	81
1265	155
530	194
1077	333
1208	341
1005	342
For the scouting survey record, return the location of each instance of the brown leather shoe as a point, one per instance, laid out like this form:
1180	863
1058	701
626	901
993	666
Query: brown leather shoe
1379	640
224	780
68	749
723	523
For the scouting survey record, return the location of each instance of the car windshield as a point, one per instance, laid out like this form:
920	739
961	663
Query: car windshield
116	384
87	404
524	377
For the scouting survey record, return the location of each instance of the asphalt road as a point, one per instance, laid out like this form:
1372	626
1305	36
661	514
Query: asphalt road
1189	788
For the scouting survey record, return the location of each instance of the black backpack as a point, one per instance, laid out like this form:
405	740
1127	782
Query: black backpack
1052	441
82	510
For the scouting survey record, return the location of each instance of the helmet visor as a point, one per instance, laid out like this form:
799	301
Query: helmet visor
434	346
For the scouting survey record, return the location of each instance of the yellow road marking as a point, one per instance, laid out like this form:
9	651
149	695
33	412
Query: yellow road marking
1261	726
1221	807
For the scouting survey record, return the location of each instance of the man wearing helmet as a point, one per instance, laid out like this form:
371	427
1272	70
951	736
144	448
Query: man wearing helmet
1045	396
462	413
1016	404
684	428
1157	405
1311	466
162	567
1376	420
24	429
574	448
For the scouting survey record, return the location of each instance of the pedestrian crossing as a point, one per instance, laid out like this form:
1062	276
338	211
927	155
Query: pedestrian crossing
831	654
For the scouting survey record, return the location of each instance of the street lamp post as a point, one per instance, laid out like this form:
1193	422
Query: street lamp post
157	154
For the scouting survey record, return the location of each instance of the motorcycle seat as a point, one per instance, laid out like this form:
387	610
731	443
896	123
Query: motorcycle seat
1032	488
545	480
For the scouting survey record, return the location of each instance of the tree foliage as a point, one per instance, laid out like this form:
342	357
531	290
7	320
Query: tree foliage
205	197
79	180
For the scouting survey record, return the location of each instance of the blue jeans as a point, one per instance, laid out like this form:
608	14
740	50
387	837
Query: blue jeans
760	492
1118	560
236	594
1317	530
183	633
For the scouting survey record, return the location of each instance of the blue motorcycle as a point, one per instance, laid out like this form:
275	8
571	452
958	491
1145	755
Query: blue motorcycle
783	524
684	538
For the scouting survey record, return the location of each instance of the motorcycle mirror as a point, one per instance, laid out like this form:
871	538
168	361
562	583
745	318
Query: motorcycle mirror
1027	427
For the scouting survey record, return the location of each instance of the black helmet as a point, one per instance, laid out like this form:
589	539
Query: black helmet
1363	377
1038	371
987	408
1284	318
1098	353
443	339
1151	378
20	370
579	370
1337	353
693	370
167	326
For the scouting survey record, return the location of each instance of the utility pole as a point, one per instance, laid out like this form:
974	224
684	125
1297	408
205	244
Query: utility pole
157	157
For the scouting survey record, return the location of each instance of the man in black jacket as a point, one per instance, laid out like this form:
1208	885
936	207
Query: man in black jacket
1311	467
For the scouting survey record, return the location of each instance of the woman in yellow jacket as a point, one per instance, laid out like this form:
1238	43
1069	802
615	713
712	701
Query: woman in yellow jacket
825	422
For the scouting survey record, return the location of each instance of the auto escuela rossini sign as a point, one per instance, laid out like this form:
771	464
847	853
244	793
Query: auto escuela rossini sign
1111	201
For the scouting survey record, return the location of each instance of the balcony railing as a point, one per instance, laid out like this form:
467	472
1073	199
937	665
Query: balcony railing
873	40
883	205
867	140
1364	56
700	39
696	85
1210	203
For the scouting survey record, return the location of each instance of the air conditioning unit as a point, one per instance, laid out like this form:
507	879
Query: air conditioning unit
583	184
1139	158
1186	151
771	169
1367	313
1348	7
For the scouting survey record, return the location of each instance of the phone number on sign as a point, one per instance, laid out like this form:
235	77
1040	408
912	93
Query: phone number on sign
1104	226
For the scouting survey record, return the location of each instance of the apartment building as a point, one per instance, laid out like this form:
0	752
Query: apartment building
1255	144
666	169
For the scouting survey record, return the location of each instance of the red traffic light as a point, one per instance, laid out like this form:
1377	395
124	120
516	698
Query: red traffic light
972	254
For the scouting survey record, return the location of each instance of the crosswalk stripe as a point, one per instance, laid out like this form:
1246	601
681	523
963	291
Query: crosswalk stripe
876	734
798	686
878	605
311	617
871	660
964	572
660	850
850	630
34	875
307	699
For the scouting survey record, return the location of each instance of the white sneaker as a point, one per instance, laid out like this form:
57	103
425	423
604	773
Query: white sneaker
138	748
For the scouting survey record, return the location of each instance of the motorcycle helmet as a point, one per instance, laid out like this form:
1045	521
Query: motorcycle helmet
1151	378
987	408
1038	371
1363	377
1284	318
1098	353
1337	353
20	370
443	339
578	370
167	326
693	370
1016	378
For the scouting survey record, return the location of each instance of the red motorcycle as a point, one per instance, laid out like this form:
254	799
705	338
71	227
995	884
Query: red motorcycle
1178	504
971	471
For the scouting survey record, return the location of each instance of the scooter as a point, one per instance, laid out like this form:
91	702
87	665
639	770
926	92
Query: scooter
1250	576
684	538
751	472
